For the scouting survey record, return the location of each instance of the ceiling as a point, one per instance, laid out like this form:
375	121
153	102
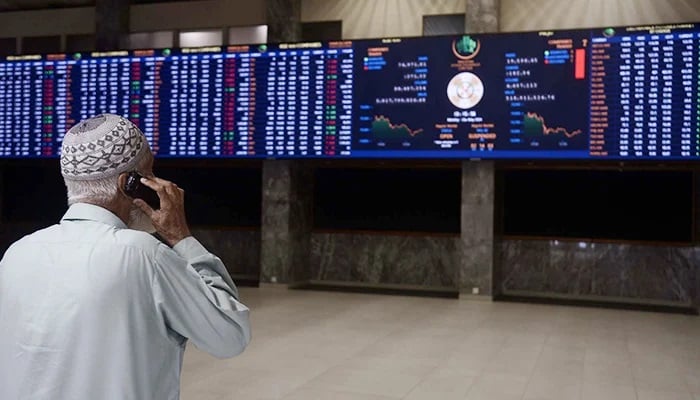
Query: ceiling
16	5
19	5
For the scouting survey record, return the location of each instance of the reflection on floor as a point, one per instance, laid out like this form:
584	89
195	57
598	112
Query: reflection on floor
320	345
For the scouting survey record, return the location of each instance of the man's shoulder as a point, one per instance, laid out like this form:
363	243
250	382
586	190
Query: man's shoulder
111	236
138	239
38	235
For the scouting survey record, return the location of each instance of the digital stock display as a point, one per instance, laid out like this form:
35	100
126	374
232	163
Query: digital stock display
623	93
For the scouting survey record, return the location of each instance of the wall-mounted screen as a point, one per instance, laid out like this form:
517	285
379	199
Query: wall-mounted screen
630	93
645	205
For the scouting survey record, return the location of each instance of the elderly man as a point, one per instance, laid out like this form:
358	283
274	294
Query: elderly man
91	308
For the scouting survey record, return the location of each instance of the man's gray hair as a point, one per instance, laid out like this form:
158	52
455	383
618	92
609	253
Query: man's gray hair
99	191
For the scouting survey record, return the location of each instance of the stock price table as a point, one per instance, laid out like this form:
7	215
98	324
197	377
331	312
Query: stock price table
191	103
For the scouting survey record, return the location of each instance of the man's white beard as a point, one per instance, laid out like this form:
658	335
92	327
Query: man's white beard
139	220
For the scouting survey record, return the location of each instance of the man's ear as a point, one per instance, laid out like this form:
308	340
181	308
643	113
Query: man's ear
121	183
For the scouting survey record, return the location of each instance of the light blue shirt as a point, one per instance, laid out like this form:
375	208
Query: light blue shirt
90	309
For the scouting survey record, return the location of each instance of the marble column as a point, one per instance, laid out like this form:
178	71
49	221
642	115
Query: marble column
286	221
111	23
482	16
478	186
478	194
283	21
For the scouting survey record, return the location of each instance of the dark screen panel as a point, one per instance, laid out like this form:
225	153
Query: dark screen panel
8	46
625	205
627	93
419	200
229	197
323	30
33	197
80	43
41	44
33	194
224	197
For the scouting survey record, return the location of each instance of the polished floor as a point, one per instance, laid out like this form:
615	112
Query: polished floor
322	345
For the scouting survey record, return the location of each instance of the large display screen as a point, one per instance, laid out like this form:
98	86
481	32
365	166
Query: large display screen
622	93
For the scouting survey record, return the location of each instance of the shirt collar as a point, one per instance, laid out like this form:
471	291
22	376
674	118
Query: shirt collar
90	212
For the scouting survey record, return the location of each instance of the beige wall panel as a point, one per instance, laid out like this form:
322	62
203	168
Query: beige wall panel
378	18
187	15
144	18
69	21
532	15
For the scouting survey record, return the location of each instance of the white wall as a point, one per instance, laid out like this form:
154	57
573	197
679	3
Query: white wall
532	15
378	18
386	18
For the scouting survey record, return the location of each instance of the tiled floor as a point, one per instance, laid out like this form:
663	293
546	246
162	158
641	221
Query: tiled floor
320	345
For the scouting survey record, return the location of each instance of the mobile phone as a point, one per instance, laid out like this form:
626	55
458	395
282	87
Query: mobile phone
134	188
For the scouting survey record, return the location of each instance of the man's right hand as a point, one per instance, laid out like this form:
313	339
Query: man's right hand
170	220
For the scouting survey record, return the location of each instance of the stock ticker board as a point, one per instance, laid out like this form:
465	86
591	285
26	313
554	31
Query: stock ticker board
622	93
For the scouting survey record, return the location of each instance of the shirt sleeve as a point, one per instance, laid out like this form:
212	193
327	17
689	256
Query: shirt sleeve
198	299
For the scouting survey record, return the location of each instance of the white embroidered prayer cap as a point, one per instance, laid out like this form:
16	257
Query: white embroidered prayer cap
102	146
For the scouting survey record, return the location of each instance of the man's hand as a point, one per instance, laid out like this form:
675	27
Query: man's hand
170	221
